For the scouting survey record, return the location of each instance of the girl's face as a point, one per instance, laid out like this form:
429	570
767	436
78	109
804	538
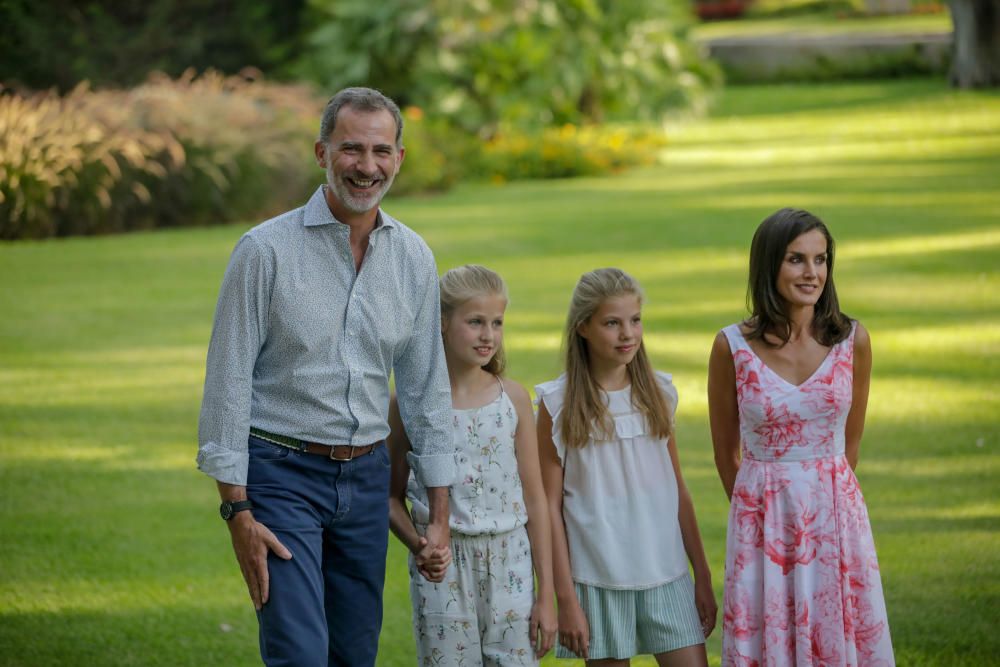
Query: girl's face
614	331
474	331
803	271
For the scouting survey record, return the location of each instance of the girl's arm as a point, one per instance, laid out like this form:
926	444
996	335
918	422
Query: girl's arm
431	563
574	633
859	400
723	412
704	597
543	613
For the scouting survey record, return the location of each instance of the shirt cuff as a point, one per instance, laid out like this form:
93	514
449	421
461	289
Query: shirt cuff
433	470
228	466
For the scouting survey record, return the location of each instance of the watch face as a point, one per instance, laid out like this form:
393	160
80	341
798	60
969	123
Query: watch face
226	510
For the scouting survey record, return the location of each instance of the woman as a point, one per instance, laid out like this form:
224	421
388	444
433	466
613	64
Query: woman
791	384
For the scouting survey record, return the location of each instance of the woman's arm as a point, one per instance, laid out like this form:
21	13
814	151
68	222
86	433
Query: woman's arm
859	399
574	633
431	563
723	412
543	623
704	597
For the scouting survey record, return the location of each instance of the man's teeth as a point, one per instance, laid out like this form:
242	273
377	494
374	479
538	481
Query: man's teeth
363	183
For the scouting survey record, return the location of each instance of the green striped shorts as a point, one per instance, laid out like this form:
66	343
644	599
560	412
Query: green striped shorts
626	623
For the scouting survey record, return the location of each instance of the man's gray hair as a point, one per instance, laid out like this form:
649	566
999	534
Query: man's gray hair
360	99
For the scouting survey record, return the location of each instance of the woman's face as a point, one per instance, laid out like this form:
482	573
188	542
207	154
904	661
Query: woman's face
803	271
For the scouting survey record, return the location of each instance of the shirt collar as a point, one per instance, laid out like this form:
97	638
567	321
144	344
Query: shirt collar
318	213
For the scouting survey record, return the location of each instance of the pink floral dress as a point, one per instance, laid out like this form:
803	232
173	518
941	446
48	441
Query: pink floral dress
802	580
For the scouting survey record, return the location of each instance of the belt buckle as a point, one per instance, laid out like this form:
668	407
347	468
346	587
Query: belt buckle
333	448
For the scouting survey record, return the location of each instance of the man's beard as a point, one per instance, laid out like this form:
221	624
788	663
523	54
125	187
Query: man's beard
352	201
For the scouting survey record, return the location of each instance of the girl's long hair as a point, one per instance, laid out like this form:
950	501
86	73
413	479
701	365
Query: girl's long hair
468	282
768	313
585	414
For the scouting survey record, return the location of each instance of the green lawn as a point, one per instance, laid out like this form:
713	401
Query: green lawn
822	24
112	552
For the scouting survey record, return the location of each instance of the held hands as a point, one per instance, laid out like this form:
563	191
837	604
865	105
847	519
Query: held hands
251	542
431	561
434	552
543	625
704	601
574	633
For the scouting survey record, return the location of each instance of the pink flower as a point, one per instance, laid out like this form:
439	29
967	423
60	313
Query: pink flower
780	430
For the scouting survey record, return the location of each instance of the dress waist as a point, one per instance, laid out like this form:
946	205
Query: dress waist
790	457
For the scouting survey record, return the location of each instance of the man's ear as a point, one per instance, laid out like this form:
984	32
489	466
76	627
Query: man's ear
320	149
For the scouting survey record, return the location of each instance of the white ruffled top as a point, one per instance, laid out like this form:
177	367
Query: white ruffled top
619	497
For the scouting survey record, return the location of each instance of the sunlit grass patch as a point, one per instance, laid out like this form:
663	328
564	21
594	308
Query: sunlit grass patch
113	550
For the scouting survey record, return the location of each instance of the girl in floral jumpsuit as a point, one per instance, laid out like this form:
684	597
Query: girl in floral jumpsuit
483	609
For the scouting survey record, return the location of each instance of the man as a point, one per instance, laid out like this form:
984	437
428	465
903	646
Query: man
316	308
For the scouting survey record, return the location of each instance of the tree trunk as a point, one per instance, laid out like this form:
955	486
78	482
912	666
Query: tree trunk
976	59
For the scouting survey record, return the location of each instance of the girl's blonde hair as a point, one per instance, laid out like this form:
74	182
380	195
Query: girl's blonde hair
584	410
466	282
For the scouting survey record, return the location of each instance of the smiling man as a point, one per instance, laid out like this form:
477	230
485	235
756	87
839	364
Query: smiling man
317	307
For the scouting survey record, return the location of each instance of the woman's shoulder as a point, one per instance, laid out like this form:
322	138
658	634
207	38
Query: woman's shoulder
859	337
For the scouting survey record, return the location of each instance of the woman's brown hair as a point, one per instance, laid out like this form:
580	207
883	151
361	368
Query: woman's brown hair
768	313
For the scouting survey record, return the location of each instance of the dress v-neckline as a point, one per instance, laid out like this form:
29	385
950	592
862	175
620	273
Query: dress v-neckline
775	373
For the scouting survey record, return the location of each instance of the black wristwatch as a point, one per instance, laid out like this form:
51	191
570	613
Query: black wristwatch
228	510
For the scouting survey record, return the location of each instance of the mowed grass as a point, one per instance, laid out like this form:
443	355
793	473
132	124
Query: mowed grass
112	552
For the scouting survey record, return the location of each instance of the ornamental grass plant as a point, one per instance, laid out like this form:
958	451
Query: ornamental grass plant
198	149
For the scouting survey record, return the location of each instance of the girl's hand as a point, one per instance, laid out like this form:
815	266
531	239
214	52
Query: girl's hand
704	600
543	626
432	562
574	632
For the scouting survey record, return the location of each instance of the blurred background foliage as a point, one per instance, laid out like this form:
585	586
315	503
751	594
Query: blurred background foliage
59	43
528	63
202	111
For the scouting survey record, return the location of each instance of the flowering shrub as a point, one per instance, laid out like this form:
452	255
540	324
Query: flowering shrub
569	150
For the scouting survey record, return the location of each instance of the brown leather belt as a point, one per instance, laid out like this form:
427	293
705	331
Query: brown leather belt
332	452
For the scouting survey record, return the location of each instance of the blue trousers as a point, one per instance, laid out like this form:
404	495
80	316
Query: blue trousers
325	604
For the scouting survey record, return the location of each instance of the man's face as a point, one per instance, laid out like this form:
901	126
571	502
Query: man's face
361	158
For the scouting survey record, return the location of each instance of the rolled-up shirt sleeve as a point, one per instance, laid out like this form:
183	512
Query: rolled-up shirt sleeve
238	332
423	391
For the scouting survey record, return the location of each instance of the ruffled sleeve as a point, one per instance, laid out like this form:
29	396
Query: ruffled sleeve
551	394
666	383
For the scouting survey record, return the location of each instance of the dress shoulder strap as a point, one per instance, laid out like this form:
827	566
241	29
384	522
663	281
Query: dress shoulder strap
735	337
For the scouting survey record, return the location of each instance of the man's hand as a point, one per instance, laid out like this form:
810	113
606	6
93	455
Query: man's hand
434	553
251	542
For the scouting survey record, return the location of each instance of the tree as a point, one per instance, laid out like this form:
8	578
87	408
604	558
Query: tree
525	62
976	59
59	43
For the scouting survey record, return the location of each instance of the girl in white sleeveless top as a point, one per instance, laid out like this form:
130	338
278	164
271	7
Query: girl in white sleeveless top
624	527
483	609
